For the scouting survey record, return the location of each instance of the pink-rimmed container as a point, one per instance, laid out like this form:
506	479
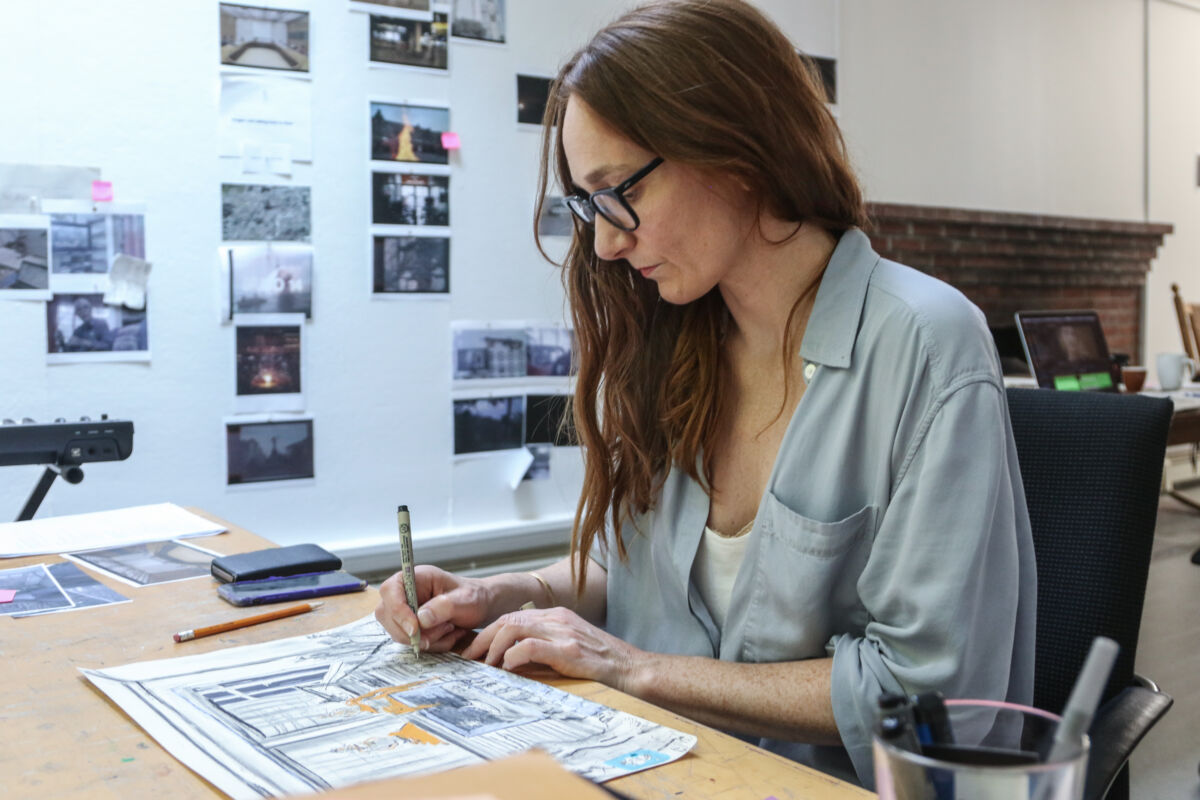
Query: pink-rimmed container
999	753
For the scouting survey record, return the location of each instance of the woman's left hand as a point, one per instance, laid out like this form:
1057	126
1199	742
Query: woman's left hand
561	640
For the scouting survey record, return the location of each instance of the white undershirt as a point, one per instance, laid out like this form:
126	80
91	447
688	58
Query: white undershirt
717	562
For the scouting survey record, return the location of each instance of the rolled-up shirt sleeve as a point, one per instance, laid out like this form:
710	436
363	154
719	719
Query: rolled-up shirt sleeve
942	584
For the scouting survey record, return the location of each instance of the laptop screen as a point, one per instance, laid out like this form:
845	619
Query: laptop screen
1066	350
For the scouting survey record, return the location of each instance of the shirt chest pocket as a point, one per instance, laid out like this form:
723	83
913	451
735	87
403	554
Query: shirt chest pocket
804	583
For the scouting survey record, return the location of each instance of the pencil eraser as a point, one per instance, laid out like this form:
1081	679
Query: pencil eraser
177	638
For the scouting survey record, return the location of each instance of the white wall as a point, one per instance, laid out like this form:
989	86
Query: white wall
131	86
1174	150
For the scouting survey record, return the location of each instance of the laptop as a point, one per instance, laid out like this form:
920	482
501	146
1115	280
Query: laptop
1067	350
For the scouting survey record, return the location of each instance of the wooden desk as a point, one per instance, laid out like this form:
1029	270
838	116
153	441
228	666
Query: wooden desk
65	739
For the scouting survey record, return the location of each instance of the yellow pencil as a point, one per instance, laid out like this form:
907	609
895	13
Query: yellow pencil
290	611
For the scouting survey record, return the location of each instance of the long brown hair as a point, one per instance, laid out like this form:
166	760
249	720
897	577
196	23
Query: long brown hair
713	84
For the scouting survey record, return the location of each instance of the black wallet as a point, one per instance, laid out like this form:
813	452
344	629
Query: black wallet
274	562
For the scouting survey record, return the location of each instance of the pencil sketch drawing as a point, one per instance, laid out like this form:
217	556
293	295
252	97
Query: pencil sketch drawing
341	706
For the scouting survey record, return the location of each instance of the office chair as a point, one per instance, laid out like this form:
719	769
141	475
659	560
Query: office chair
1091	464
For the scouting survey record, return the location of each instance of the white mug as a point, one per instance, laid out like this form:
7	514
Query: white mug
1170	370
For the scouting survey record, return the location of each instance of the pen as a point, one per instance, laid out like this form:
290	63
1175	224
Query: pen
406	567
290	611
1085	696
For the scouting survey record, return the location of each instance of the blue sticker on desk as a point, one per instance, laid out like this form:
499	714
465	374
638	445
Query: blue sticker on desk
638	759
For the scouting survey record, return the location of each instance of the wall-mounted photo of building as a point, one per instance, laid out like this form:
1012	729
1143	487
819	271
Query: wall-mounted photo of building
412	264
410	42
532	94
404	198
269	278
401	132
269	451
489	353
478	19
266	38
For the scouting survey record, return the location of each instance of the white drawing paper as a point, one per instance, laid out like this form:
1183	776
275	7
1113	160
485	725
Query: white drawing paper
343	706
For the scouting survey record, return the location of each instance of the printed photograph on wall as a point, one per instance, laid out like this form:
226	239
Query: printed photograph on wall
482	352
482	20
555	219
257	452
548	350
80	327
406	132
264	38
539	470
532	94
24	257
268	278
268	359
412	264
488	423
410	42
251	212
88	243
404	198
268	112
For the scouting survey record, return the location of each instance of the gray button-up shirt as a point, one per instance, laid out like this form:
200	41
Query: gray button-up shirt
893	534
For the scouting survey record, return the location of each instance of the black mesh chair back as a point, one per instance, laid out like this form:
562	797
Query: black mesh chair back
1092	466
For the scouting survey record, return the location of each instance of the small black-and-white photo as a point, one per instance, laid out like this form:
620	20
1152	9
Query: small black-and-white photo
532	94
82	323
23	262
403	198
410	42
548	420
555	219
269	278
269	451
489	353
87	243
827	71
405	132
549	350
149	563
488	423
539	470
267	38
478	19
257	213
80	243
268	359
79	586
412	264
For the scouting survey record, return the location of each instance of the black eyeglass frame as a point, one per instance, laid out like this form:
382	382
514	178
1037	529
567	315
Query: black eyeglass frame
584	207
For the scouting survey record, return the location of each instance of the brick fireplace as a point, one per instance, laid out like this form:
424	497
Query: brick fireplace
1008	262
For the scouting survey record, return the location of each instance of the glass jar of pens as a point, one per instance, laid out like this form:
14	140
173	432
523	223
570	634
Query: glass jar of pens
927	748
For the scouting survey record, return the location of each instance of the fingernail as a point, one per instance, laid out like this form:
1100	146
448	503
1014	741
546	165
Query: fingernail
425	617
408	627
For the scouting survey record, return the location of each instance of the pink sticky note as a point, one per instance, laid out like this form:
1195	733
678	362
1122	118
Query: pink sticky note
102	192
450	140
7	595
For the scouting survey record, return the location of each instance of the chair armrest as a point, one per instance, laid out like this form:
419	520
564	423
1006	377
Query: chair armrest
1116	730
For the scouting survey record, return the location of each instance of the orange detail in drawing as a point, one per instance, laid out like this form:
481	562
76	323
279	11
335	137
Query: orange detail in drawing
381	700
411	733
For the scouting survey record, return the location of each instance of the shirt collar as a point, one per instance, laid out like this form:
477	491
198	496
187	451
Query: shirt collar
833	324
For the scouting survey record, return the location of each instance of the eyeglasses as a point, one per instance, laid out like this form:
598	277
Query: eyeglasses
610	203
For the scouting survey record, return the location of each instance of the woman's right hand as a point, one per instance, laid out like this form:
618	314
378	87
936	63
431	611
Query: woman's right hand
449	607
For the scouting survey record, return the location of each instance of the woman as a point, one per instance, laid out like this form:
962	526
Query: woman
805	448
